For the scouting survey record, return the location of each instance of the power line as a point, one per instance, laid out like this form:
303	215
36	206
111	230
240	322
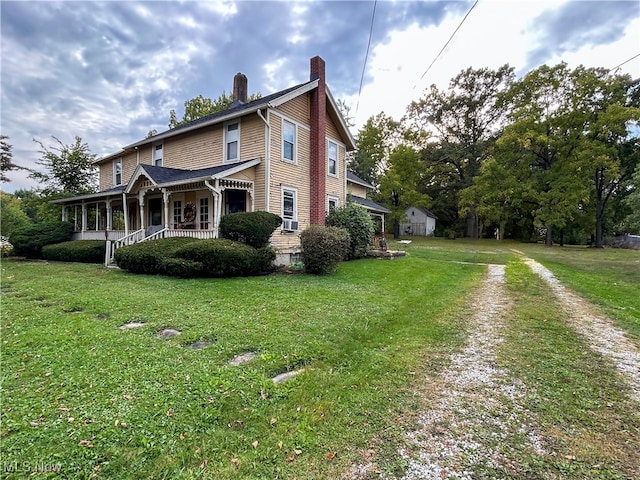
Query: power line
448	41
626	61
366	56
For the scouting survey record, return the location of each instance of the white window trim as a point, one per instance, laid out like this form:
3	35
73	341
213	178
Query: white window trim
117	162
333	198
210	208
337	174
224	142
293	161
293	190
153	154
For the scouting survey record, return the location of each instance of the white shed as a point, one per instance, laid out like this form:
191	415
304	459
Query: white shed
420	221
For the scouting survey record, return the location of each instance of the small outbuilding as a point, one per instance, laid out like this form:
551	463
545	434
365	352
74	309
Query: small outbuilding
420	221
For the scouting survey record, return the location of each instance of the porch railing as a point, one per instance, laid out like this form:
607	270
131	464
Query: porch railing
113	245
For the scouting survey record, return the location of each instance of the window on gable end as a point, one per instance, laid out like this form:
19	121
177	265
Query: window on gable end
117	172
157	155
332	154
232	142
288	141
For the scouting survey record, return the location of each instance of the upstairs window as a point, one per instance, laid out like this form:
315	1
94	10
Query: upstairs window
288	141
332	153
117	172
157	155
232	142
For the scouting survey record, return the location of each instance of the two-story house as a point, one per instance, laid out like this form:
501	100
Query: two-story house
283	153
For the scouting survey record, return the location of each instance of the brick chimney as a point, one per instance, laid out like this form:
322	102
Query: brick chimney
240	83
318	171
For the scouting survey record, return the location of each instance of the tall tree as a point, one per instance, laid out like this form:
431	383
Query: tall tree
399	184
6	159
12	217
464	120
632	221
200	106
69	169
374	143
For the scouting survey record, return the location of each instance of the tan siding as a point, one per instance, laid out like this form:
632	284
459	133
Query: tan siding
357	190
332	131
105	171
129	164
193	150
252	138
297	109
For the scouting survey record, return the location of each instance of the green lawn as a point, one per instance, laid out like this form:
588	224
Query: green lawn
81	394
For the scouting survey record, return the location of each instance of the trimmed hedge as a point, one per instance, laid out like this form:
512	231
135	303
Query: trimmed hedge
30	240
323	248
84	251
148	257
188	257
356	220
251	228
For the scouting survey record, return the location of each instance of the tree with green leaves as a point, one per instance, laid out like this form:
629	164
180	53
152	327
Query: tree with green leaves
69	169
201	106
12	217
464	121
374	143
398	187
632	221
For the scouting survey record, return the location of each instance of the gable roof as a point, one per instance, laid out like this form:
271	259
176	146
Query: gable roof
425	211
164	176
238	109
353	178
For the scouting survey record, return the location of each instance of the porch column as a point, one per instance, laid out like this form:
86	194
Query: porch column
97	226
125	209
84	217
141	203
165	197
65	213
253	203
217	204
75	218
109	212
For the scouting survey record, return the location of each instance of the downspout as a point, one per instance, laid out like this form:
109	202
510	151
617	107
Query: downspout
267	160
217	196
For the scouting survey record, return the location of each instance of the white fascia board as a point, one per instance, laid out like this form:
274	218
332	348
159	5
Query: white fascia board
139	171
307	87
351	142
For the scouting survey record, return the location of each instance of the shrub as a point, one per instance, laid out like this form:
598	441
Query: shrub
148	257
251	228
180	267
220	257
84	251
357	221
29	241
323	248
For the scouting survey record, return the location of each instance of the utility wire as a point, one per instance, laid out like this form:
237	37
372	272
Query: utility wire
366	56
626	61
448	41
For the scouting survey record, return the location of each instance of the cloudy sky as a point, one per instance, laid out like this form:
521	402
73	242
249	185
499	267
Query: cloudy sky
111	71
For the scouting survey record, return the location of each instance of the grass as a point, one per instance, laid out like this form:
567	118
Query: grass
80	394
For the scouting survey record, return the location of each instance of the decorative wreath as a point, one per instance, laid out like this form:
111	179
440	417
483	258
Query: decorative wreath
189	214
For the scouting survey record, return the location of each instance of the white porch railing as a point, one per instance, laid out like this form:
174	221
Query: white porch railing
98	235
139	236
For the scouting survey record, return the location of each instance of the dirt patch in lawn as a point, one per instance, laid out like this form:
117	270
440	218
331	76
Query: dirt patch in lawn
598	330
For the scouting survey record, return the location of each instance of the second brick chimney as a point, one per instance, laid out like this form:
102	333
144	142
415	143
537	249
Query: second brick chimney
318	172
240	84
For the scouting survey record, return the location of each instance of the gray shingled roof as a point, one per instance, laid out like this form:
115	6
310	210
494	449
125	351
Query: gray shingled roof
161	175
352	177
365	202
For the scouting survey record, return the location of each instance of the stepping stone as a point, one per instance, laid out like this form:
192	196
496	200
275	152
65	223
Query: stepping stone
242	358
168	333
130	325
283	377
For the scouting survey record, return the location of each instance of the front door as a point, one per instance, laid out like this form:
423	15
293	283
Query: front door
155	211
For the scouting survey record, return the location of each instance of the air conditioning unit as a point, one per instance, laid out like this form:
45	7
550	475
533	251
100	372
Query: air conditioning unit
289	225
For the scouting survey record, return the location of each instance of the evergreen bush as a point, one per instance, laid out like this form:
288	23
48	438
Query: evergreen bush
83	251
30	240
251	228
148	257
356	220
323	248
